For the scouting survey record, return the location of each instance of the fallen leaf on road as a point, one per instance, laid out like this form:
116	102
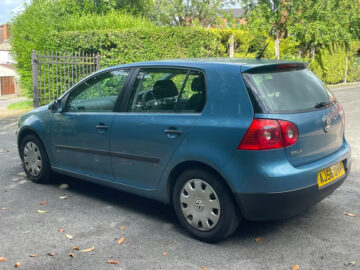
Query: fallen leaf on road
122	227
7	150
41	211
349	263
51	253
33	255
88	249
121	240
4	208
165	253
61	230
257	239
72	255
349	214
64	186
296	267
17	265
2	259
203	268
76	248
43	203
112	262
63	197
69	236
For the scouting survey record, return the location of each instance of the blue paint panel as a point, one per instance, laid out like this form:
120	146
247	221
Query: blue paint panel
78	130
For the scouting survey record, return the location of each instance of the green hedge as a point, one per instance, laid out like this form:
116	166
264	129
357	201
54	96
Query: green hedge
329	63
131	45
150	43
134	45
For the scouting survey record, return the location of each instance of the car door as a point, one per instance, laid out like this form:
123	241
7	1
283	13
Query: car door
155	118
80	132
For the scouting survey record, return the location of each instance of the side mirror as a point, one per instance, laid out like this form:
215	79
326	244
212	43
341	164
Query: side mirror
55	106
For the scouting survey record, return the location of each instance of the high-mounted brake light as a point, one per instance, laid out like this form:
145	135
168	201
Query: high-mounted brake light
288	66
266	134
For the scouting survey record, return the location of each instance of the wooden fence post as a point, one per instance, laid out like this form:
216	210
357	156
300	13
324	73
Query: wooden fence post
97	61
346	68
34	63
231	47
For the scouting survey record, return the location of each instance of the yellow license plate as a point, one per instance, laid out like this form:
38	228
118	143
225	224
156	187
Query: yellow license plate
330	174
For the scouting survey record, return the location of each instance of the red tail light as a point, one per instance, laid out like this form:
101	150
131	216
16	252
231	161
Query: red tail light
265	134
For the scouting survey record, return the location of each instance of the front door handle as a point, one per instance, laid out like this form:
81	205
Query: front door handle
173	131
102	126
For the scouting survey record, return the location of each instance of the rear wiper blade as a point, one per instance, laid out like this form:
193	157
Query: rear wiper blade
322	104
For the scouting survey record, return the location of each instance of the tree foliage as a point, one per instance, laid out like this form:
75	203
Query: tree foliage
318	22
188	12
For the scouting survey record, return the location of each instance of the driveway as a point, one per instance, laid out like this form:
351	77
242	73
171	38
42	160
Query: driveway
320	238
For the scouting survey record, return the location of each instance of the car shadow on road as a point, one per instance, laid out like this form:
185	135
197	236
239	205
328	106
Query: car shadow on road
157	210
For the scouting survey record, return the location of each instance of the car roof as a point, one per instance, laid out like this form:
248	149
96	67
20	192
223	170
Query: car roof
203	63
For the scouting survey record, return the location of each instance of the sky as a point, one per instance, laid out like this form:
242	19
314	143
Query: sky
8	8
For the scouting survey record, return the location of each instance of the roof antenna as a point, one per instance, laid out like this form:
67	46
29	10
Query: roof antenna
262	52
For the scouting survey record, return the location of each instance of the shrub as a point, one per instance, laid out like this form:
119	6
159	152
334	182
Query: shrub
134	45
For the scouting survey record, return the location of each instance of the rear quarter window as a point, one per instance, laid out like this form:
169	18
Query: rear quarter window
286	91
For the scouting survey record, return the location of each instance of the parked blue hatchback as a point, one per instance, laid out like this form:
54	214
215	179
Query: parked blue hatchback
221	140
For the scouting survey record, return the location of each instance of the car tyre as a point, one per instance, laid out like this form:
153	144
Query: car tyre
34	159
205	206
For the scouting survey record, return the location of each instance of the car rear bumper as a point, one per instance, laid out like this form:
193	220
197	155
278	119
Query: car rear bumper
280	205
268	187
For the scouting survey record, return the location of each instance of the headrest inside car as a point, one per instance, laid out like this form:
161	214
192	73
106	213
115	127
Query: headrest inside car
197	84
165	89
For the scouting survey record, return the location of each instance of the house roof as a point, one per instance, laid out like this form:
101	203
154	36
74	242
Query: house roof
236	12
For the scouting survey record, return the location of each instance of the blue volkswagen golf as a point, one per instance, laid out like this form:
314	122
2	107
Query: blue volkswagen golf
220	140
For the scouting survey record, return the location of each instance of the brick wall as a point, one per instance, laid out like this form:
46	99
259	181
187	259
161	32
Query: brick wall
4	33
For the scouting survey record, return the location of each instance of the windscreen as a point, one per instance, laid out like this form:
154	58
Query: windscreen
287	91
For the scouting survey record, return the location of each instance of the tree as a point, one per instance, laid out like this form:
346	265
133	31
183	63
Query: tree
271	17
324	22
312	22
188	12
136	7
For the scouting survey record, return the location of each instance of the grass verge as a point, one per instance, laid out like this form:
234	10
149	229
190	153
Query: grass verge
21	105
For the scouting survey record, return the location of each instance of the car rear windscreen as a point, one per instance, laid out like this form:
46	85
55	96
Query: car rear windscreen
286	91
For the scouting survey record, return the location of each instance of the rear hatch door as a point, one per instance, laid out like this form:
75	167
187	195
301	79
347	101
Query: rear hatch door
293	93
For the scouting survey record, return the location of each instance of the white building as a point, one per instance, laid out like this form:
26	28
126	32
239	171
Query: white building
8	75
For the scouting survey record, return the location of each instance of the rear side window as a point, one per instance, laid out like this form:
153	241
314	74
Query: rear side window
167	90
286	91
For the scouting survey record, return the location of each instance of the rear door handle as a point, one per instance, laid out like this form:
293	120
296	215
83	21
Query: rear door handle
173	131
101	126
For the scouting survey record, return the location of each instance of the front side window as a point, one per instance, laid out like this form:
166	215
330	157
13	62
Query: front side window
98	94
167	90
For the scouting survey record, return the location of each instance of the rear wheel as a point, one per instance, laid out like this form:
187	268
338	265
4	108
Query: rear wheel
204	205
34	159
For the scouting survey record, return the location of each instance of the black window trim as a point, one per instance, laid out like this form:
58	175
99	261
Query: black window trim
126	96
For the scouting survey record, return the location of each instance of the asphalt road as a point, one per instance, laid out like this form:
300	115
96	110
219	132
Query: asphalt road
320	238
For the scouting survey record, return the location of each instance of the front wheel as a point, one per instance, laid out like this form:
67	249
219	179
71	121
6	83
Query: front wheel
34	159
204	205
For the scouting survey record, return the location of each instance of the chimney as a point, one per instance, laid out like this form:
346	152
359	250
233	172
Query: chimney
5	32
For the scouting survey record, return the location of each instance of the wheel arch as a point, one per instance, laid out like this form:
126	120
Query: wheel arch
28	131
193	164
